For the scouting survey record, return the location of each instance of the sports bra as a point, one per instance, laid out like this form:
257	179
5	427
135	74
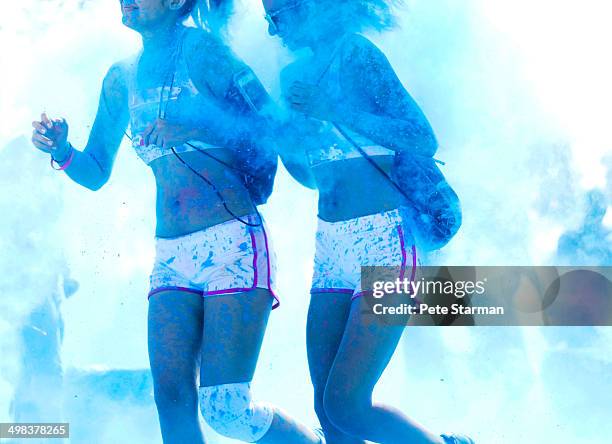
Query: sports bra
333	145
147	104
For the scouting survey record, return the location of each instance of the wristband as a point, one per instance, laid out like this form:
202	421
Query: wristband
64	163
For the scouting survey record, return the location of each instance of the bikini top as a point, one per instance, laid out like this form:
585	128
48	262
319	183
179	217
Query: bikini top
334	146
147	104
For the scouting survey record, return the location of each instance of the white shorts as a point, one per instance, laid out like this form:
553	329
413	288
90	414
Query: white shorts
230	257
342	248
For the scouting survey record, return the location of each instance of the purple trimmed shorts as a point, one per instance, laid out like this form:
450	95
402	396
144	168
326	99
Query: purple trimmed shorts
230	257
342	248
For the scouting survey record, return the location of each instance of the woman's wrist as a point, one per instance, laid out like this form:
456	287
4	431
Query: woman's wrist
65	160
60	156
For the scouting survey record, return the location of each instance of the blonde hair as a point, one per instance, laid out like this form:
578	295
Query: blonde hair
212	14
358	15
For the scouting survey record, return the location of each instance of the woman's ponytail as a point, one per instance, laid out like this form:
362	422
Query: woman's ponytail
213	14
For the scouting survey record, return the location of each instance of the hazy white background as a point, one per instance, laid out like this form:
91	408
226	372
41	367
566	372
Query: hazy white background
519	94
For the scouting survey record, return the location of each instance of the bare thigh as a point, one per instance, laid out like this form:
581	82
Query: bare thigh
364	352
233	330
327	316
174	337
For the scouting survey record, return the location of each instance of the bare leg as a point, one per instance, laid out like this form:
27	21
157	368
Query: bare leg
363	355
234	327
175	335
327	317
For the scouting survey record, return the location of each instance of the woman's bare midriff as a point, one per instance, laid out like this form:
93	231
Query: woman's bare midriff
353	188
186	203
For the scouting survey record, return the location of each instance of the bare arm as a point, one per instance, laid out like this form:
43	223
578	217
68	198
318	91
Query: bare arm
217	114
232	107
216	69
394	119
373	101
293	157
293	140
224	114
91	167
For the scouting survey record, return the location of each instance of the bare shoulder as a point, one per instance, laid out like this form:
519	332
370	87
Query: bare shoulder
118	72
201	40
115	84
211	61
358	49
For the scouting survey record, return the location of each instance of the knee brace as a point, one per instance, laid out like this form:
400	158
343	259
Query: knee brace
231	412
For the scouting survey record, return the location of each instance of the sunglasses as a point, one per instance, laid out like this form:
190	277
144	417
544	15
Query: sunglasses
272	17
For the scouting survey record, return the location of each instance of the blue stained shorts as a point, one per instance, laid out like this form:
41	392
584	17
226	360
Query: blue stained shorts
342	248
230	257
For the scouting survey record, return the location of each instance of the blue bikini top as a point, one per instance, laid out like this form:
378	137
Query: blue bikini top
147	104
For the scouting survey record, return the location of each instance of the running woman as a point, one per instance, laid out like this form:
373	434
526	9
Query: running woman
211	286
346	96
